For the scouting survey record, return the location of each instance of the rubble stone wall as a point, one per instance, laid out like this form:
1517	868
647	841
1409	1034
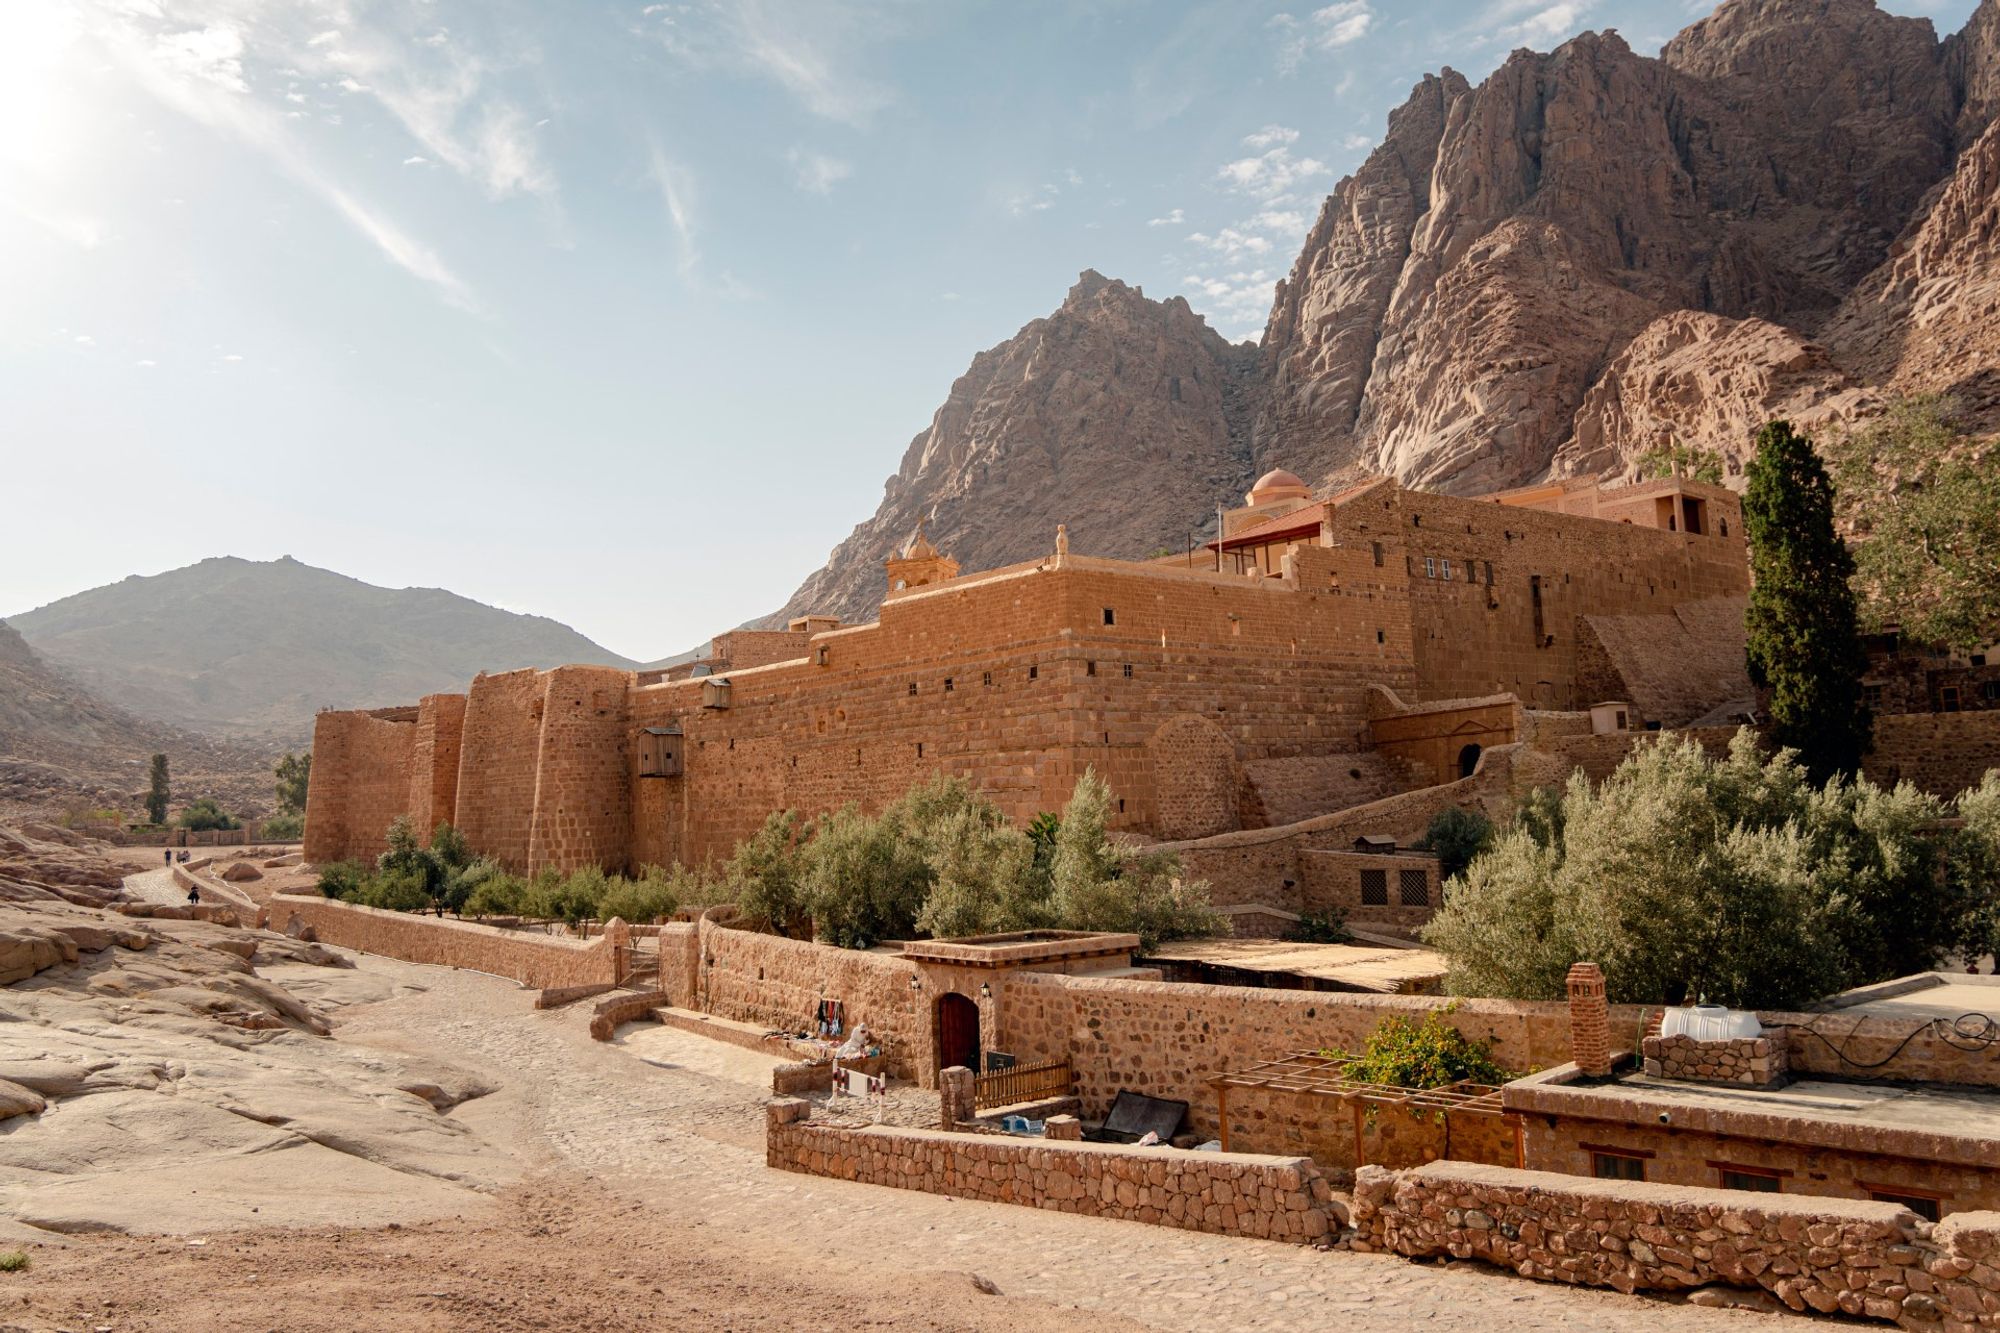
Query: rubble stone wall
1756	1061
776	982
1943	753
1271	1198
1859	1258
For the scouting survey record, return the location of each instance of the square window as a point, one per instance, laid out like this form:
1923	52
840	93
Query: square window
986	678
1090	668
1749	1178
1034	672
1617	1166
1414	885
913	689
1374	888
947	684
1430	567
1110	616
1990	691
1446	566
1128	671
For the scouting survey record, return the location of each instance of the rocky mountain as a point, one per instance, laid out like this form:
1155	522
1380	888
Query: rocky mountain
251	649
61	747
1794	208
1124	418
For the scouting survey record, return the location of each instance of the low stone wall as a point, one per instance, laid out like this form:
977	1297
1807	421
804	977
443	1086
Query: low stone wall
540	961
777	982
1757	1062
607	1016
555	997
1271	1198
1943	753
1854	1257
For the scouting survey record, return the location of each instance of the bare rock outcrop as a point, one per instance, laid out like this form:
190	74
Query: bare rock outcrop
1928	321
1120	416
1707	381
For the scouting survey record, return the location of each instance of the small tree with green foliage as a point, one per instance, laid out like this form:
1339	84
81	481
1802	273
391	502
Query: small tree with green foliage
1328	925
1682	460
1455	836
294	774
864	879
203	814
1428	1054
159	791
765	877
1924	501
1803	642
1736	880
1094	886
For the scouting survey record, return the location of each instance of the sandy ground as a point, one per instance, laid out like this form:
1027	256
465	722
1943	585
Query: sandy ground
622	1186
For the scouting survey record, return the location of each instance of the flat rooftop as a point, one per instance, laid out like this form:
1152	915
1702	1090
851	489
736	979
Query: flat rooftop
1925	1122
1385	970
1925	996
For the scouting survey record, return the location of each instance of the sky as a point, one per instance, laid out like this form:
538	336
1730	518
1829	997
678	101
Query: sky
618	313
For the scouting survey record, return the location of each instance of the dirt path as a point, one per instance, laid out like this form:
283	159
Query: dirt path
649	1203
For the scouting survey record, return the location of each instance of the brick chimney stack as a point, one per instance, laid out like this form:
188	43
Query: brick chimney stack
1589	1020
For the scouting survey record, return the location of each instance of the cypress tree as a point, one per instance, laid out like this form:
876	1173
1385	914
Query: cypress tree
158	793
1804	645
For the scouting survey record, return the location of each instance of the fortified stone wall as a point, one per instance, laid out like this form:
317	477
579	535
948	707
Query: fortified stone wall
1410	892
1271	1198
538	961
742	649
1673	669
360	783
1443	741
1873	1260
1517	629
434	762
496	766
582	804
1943	753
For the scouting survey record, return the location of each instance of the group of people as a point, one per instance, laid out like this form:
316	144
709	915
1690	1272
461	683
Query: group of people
168	856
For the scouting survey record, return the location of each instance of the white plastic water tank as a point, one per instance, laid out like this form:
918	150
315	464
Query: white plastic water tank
1710	1022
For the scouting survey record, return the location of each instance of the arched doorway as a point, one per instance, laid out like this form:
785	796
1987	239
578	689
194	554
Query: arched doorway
1468	759
957	1032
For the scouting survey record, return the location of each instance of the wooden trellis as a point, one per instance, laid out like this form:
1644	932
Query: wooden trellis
1312	1074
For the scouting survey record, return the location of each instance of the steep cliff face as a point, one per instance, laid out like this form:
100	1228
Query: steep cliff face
1125	418
1794	209
1758	168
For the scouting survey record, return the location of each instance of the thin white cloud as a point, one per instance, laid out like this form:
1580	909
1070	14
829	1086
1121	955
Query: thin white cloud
1326	29
199	73
676	190
810	48
146	363
1238	302
1270	137
1270	175
1172	219
416	161
1232	243
817	173
1535	22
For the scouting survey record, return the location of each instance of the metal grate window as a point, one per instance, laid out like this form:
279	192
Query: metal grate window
1415	886
1374	888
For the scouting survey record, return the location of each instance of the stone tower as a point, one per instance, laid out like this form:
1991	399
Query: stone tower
919	564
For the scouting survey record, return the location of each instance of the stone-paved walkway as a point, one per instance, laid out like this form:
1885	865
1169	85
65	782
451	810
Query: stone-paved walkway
678	1119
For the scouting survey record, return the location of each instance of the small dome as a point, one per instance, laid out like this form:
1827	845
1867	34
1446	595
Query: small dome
1278	484
919	547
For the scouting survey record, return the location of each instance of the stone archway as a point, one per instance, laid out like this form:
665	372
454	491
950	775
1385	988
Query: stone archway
1468	760
957	1031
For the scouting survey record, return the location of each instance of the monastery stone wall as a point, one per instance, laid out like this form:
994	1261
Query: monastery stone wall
582	804
359	784
1271	1198
776	982
1866	1259
500	745
434	762
1943	753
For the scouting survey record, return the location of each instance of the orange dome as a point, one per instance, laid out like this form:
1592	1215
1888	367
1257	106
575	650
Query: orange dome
1278	484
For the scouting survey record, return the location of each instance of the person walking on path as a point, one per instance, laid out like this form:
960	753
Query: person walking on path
169	855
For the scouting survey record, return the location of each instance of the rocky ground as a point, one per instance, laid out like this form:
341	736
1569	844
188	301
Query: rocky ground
213	1127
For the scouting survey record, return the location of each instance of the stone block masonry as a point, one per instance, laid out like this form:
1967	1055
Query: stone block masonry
1270	1198
1758	1062
1853	1257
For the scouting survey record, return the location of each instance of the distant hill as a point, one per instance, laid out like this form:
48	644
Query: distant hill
61	746
252	649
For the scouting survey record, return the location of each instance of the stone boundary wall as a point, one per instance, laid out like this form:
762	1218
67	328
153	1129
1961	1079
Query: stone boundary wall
1271	1198
1168	1040
541	961
777	982
1943	753
557	996
1847	1256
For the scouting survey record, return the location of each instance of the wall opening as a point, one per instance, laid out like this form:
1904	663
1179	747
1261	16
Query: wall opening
957	1032
1468	759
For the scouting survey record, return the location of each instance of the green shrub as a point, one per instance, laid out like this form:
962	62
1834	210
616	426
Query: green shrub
765	876
340	879
494	892
282	828
642	901
864	880
203	814
1328	926
13	1261
1430	1054
393	890
1456	836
